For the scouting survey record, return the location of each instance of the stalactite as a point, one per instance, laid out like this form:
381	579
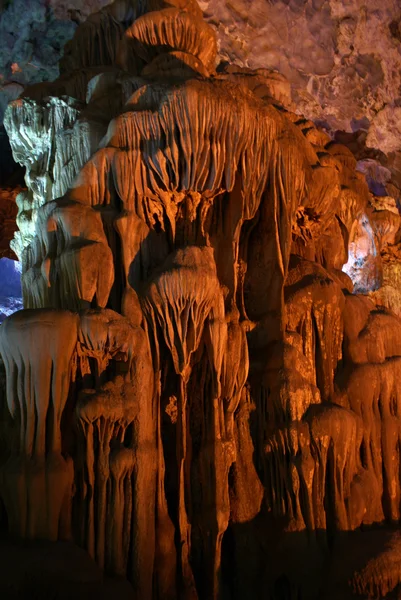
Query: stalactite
117	478
218	401
314	304
37	479
173	29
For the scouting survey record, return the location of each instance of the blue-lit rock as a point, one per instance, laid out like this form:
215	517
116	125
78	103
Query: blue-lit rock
10	287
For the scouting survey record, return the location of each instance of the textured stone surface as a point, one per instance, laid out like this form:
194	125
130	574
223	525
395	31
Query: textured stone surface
8	214
342	59
197	393
10	289
33	34
343	62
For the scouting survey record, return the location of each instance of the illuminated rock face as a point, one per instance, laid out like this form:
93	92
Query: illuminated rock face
10	294
193	393
345	70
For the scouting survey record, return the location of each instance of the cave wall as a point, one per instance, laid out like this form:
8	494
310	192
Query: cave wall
345	71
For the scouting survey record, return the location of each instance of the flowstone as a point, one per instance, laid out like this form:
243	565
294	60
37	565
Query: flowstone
194	395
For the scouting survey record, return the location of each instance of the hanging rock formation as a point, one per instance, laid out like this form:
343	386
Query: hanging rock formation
195	392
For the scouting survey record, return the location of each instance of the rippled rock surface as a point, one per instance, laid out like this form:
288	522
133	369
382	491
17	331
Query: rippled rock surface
196	393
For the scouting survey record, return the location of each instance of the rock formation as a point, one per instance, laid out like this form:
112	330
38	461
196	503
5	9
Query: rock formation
8	214
196	392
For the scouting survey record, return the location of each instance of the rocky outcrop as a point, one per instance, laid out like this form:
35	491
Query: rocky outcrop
195	393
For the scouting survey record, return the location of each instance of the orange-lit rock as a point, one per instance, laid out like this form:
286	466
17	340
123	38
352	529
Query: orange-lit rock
196	394
8	214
